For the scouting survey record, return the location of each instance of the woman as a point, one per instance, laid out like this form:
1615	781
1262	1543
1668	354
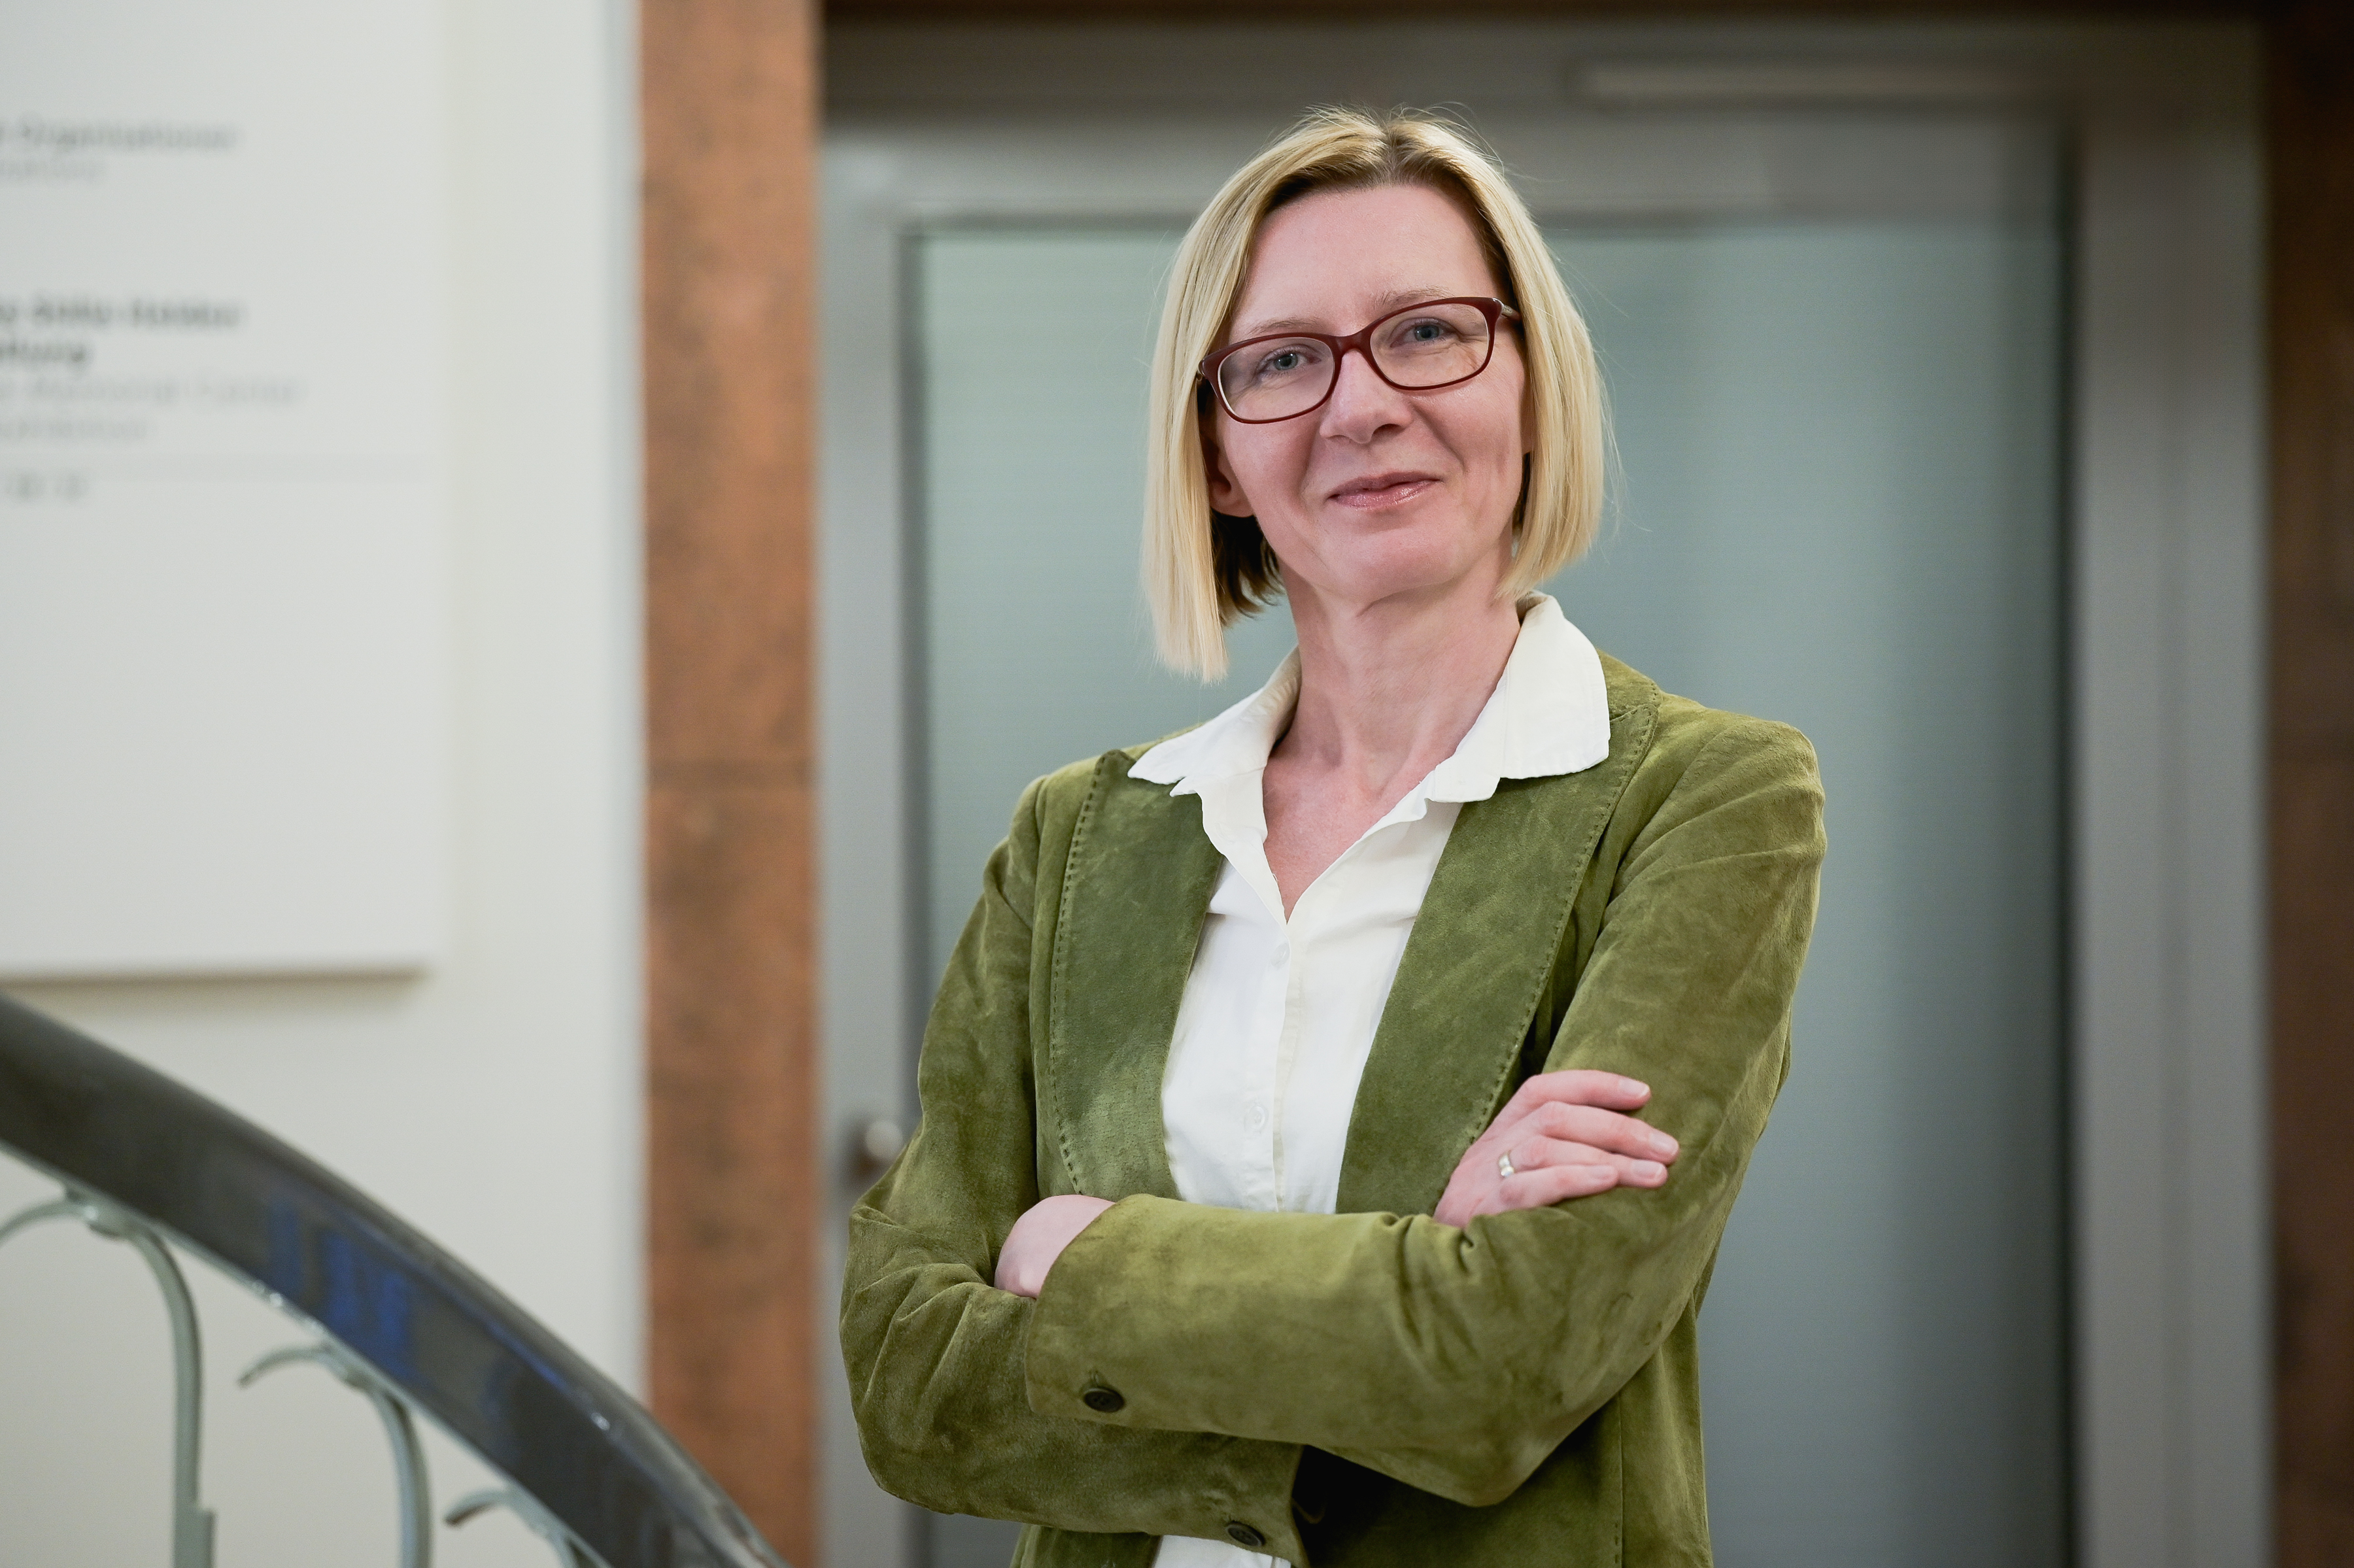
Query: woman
1278	1194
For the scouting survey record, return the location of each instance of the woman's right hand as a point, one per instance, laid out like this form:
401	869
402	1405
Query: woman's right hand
1567	1136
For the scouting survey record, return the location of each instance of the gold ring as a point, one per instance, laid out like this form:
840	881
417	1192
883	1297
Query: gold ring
1504	1165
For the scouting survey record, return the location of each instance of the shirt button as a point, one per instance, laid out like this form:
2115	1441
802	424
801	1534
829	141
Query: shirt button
1103	1401
1242	1535
1258	1116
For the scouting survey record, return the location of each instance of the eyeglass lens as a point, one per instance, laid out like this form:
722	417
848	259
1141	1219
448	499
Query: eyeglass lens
1428	345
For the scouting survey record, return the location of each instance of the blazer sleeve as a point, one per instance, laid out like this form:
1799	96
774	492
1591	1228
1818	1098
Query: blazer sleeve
1456	1361
935	1351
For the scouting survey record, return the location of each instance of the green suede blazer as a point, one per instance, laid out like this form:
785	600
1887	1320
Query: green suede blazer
1369	1387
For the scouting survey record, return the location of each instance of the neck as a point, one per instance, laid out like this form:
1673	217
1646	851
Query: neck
1388	689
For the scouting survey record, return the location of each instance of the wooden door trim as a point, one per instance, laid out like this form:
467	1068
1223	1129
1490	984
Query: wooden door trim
728	106
2311	173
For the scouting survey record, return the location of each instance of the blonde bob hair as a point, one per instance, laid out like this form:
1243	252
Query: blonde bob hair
1204	570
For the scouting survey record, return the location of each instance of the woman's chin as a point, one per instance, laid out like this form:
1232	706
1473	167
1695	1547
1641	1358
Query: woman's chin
1377	567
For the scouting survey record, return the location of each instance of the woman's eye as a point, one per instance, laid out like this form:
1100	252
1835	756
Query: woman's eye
1424	332
1289	361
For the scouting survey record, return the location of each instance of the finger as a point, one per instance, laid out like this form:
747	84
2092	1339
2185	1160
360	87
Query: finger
1540	1188
1547	1118
1576	1086
1602	1129
1543	1153
1606	1131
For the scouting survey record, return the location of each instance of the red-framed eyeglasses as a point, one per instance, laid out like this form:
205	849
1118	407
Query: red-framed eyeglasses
1420	348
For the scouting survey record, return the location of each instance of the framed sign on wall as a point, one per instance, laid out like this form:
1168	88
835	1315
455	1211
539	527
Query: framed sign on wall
223	595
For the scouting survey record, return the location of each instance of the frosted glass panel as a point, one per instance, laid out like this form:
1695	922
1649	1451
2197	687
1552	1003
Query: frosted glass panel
1838	507
1038	647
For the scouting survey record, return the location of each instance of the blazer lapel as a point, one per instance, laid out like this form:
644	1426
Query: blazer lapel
1136	889
1490	927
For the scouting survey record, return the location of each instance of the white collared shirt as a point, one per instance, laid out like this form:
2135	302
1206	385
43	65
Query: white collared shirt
1278	1013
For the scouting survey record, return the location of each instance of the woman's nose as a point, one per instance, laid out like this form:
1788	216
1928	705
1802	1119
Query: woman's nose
1362	403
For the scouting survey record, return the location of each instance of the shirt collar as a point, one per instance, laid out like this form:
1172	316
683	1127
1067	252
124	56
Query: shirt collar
1550	714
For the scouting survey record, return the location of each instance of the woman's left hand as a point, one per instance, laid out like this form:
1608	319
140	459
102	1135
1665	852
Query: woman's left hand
1566	1135
1038	1238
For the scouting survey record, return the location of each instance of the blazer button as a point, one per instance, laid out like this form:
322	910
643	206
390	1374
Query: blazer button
1103	1401
1242	1535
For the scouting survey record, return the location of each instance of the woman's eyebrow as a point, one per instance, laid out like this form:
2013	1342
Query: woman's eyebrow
1383	303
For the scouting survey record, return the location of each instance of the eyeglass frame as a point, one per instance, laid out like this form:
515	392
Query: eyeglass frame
1362	340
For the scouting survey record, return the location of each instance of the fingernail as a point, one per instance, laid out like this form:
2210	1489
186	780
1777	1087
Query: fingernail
1663	1143
1651	1170
1633	1086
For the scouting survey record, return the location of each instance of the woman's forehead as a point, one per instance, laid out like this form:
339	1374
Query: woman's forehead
1343	252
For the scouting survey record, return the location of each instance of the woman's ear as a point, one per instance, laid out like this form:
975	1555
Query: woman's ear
1226	495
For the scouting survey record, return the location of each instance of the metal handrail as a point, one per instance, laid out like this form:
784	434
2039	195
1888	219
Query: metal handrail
408	1324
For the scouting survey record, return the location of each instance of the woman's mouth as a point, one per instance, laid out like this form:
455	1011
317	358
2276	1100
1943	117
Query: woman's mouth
1379	490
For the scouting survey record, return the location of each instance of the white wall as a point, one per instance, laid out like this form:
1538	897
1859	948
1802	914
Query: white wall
494	1101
